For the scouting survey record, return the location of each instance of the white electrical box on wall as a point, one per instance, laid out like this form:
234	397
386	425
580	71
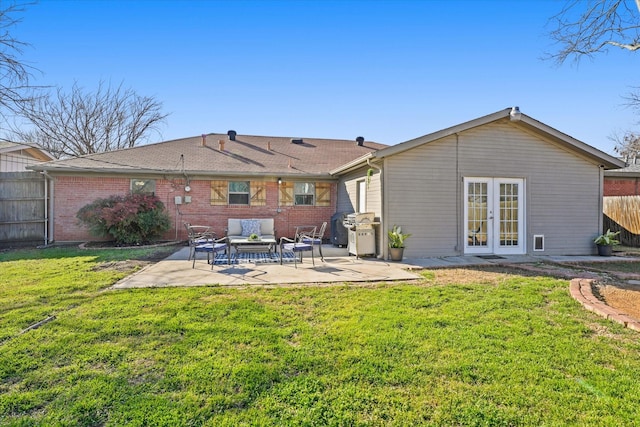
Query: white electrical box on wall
187	199
178	200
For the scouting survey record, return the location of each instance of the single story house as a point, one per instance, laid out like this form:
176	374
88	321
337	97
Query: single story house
207	179
500	184
15	157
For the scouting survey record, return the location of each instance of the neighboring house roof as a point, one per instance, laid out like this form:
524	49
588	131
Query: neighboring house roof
33	150
203	155
523	121
629	171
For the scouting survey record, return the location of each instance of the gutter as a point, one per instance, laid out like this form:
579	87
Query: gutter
354	164
191	173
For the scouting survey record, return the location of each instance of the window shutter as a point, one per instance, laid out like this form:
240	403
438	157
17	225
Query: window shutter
286	194
219	190
323	194
258	193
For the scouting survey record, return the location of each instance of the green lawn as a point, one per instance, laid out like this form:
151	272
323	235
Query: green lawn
498	349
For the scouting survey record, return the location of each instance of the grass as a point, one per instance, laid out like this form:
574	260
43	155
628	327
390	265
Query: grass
462	347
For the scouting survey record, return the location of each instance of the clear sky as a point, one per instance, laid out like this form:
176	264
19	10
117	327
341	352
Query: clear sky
387	70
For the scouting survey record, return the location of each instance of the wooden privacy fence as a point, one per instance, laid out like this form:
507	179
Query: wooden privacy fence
622	213
23	209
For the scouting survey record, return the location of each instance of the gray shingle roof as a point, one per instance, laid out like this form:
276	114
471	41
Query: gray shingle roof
259	155
629	171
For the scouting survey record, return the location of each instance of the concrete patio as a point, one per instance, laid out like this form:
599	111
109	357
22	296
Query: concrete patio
338	267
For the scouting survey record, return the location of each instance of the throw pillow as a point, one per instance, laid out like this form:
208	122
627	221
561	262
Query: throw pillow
249	227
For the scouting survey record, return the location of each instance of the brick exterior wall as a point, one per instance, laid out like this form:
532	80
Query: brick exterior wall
615	186
73	192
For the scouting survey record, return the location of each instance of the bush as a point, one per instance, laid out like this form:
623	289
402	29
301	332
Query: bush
130	220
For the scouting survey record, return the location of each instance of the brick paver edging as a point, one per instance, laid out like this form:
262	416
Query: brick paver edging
581	290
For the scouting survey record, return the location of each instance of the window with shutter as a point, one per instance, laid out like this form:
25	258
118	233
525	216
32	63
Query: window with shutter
286	194
304	193
239	192
323	194
219	193
258	193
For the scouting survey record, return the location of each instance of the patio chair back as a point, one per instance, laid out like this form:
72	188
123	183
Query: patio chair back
198	235
315	238
303	242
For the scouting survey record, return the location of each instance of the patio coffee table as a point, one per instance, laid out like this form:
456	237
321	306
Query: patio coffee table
260	245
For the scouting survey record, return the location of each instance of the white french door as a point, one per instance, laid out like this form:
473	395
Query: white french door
494	216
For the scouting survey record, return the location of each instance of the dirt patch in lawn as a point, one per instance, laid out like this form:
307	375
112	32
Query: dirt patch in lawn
159	253
622	296
617	284
125	266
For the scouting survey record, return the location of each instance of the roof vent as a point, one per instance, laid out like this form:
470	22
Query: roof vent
515	114
232	135
360	140
296	141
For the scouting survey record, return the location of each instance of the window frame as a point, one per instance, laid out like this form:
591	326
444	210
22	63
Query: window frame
311	192
136	189
231	194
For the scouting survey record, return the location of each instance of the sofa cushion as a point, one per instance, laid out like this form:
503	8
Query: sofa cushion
250	226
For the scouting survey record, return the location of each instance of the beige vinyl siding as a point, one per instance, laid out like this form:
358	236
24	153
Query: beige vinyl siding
423	189
348	192
420	196
562	189
348	200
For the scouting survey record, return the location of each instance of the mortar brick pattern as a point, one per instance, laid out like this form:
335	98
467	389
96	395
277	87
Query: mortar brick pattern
73	192
621	186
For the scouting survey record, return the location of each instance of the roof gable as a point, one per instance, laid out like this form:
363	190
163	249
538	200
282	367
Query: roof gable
522	121
31	149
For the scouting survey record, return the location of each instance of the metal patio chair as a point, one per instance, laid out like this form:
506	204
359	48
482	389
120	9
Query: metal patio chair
297	245
316	239
198	235
212	248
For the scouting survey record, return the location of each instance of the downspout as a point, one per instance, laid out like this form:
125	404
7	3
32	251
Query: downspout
383	238
48	208
459	180
601	199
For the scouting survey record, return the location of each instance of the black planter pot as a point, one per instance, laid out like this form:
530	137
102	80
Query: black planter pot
605	250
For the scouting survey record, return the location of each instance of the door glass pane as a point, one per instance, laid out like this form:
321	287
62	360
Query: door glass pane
509	214
477	214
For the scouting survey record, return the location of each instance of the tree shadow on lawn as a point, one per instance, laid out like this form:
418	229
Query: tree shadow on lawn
103	254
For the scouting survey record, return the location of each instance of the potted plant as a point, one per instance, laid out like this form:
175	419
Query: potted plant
605	242
254	237
396	243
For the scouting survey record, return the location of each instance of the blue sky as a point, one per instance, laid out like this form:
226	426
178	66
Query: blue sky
387	70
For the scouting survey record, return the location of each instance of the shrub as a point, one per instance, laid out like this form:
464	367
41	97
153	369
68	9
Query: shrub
130	220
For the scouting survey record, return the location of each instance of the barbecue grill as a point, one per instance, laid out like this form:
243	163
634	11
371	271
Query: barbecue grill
362	235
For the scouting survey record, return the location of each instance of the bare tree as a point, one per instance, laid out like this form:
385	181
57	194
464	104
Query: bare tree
584	28
77	123
628	146
14	74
